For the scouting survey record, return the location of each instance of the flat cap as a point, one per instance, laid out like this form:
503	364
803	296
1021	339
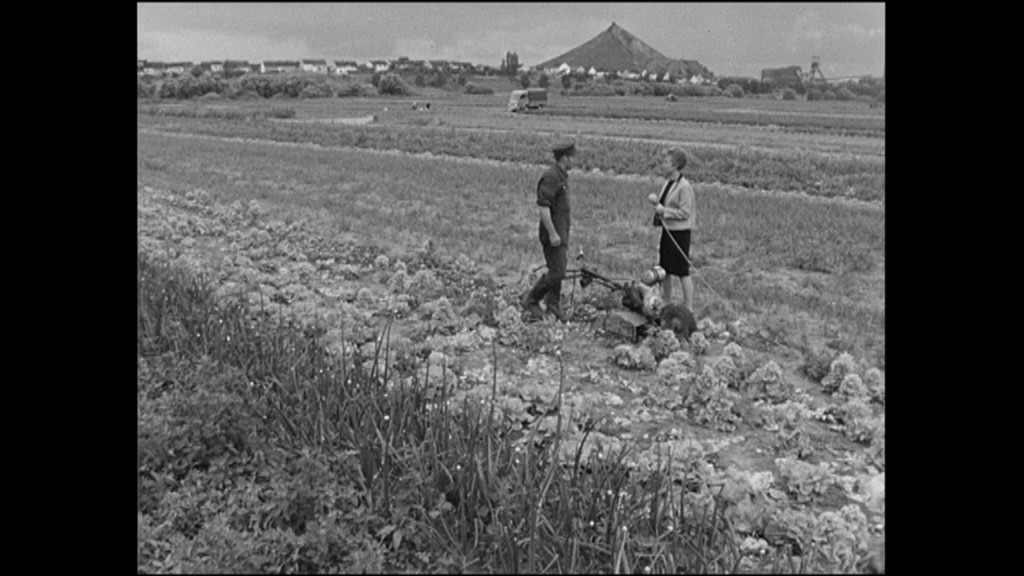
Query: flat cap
566	148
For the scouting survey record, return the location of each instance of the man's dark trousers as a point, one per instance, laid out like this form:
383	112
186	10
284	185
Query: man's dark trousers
549	286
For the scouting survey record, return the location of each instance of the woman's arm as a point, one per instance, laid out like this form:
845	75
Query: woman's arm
679	202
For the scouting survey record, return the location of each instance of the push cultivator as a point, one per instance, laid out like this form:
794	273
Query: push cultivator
642	304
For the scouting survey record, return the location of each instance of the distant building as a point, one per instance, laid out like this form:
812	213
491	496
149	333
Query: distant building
153	70
782	77
344	67
177	68
238	67
314	66
279	66
216	67
560	70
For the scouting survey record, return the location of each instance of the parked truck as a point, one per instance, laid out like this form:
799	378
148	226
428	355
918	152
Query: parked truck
527	99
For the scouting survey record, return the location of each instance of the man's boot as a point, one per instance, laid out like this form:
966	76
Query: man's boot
552	304
531	309
557	313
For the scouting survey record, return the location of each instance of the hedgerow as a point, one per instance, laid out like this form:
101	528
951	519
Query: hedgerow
290	85
187	86
146	89
734	91
392	84
471	88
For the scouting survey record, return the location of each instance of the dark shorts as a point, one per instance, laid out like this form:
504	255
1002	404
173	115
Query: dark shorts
671	260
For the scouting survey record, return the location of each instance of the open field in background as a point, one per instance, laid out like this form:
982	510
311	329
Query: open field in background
761	123
781	167
855	119
847	119
654	106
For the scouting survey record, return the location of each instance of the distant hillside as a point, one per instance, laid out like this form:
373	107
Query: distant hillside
615	50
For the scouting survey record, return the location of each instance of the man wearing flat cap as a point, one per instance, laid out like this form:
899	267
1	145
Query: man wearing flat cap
553	206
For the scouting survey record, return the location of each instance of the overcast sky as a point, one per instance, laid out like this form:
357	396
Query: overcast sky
730	39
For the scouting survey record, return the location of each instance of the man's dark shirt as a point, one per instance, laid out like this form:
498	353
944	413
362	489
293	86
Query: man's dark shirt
553	193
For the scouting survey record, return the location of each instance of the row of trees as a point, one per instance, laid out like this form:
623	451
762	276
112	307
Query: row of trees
866	88
390	83
440	79
625	88
292	86
188	86
509	64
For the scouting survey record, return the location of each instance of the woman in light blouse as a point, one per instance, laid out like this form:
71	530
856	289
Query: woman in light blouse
674	213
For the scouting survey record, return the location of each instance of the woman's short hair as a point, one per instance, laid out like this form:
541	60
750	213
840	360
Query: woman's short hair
678	156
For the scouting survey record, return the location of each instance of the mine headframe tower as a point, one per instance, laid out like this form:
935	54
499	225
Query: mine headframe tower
815	75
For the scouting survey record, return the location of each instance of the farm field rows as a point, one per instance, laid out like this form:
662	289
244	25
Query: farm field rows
779	168
685	121
717	110
774	412
795	117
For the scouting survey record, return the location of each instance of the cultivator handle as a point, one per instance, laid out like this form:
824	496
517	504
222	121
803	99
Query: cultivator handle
588	276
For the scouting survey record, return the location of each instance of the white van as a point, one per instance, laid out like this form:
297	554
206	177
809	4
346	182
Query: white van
525	99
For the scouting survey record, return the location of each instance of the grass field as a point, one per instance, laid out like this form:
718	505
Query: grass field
260	452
